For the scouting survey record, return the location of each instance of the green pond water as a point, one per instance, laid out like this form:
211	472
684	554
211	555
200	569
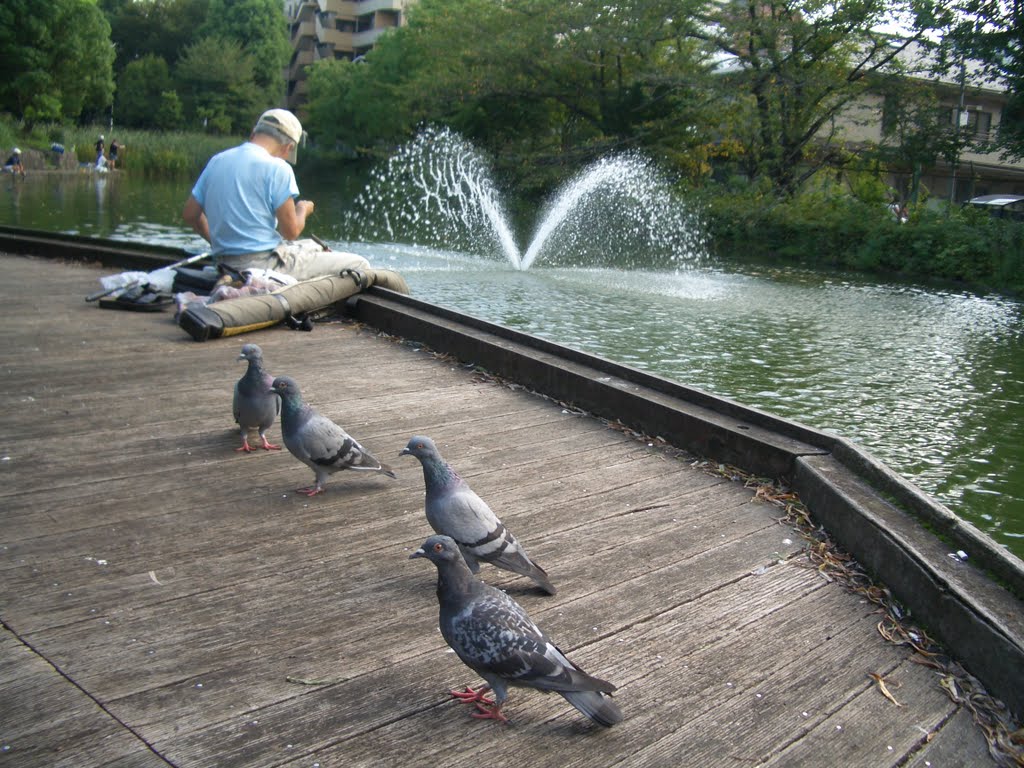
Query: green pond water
929	380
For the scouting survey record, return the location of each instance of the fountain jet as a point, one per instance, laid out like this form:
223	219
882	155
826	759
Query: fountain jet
439	190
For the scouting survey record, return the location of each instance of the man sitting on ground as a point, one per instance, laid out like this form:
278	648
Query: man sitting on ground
13	164
246	205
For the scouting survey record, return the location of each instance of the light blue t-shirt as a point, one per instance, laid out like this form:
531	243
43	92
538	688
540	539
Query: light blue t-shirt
240	190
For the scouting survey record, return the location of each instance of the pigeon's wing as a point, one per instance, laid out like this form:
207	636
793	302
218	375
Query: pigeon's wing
494	636
322	442
458	512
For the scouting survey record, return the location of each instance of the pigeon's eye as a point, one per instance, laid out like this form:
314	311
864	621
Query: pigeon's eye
438	548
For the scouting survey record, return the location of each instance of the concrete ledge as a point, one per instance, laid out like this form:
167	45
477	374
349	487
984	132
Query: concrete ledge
976	619
56	245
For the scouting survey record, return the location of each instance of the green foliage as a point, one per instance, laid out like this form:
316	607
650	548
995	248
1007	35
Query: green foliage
838	230
162	28
261	29
216	85
788	69
140	91
554	82
55	59
150	153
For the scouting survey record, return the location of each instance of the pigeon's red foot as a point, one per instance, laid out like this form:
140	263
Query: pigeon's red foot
312	490
268	446
489	712
245	447
471	696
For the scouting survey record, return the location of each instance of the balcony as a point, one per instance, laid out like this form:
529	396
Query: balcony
327	34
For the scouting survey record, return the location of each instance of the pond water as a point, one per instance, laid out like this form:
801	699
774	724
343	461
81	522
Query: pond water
929	380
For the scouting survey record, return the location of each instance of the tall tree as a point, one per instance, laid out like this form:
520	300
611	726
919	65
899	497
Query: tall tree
261	29
547	80
140	91
55	59
788	69
161	28
215	80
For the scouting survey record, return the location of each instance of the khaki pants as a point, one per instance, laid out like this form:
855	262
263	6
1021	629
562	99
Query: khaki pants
302	259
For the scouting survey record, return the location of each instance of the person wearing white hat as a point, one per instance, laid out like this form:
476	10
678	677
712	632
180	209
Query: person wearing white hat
246	205
13	164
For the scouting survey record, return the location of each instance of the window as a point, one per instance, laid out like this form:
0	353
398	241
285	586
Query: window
972	120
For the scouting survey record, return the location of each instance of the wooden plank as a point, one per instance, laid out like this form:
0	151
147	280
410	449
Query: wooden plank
44	721
174	585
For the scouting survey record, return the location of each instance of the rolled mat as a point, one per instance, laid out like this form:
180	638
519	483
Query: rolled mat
250	313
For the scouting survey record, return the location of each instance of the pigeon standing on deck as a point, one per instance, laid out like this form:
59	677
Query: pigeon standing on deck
317	441
453	509
254	406
495	638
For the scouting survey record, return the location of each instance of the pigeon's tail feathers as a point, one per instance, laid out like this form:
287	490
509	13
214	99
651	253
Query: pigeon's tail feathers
540	576
598	706
388	471
516	560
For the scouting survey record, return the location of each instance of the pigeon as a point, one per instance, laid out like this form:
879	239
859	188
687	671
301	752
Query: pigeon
453	509
317	441
495	638
254	407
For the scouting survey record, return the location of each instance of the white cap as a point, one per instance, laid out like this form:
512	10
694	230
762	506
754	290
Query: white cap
288	124
16	151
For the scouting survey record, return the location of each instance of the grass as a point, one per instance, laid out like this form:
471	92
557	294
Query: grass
150	153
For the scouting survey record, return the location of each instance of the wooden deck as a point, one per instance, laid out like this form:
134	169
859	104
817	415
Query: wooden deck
160	589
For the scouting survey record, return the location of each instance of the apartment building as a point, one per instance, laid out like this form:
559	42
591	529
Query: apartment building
333	29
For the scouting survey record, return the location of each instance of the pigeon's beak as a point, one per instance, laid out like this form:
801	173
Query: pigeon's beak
418	553
405	452
273	391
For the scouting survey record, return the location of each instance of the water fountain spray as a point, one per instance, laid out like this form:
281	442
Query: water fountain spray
439	190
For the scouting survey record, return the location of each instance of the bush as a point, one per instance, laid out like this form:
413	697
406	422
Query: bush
823	229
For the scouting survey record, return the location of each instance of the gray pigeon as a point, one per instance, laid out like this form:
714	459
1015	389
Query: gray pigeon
495	638
317	441
254	406
453	509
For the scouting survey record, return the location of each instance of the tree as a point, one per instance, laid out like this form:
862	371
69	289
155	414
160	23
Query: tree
788	69
214	78
163	28
548	80
140	91
55	59
261	29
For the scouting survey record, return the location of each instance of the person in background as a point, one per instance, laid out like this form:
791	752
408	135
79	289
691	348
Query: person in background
100	149
246	205
13	164
114	149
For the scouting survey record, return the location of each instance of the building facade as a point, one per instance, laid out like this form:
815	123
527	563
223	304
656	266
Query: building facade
333	29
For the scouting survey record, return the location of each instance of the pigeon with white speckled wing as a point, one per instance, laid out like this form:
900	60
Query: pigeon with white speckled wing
254	406
317	441
453	509
495	638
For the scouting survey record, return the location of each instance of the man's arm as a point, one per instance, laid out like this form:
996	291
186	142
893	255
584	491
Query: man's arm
291	217
195	217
